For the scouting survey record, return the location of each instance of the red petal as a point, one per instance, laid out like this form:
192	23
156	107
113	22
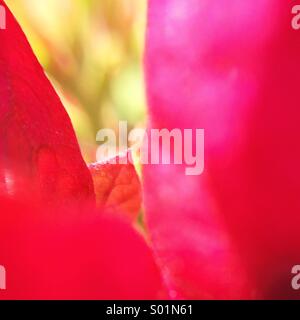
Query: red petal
234	72
78	254
117	187
38	144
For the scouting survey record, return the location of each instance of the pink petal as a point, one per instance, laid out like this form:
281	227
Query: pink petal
231	68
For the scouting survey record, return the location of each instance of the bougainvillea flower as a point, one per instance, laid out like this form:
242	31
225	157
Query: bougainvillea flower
231	68
60	245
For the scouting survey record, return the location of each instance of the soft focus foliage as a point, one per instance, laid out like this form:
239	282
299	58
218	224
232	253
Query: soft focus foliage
92	51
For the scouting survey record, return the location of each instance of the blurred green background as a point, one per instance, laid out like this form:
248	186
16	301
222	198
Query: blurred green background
92	52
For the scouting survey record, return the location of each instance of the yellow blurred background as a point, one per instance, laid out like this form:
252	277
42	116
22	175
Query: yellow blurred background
92	52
